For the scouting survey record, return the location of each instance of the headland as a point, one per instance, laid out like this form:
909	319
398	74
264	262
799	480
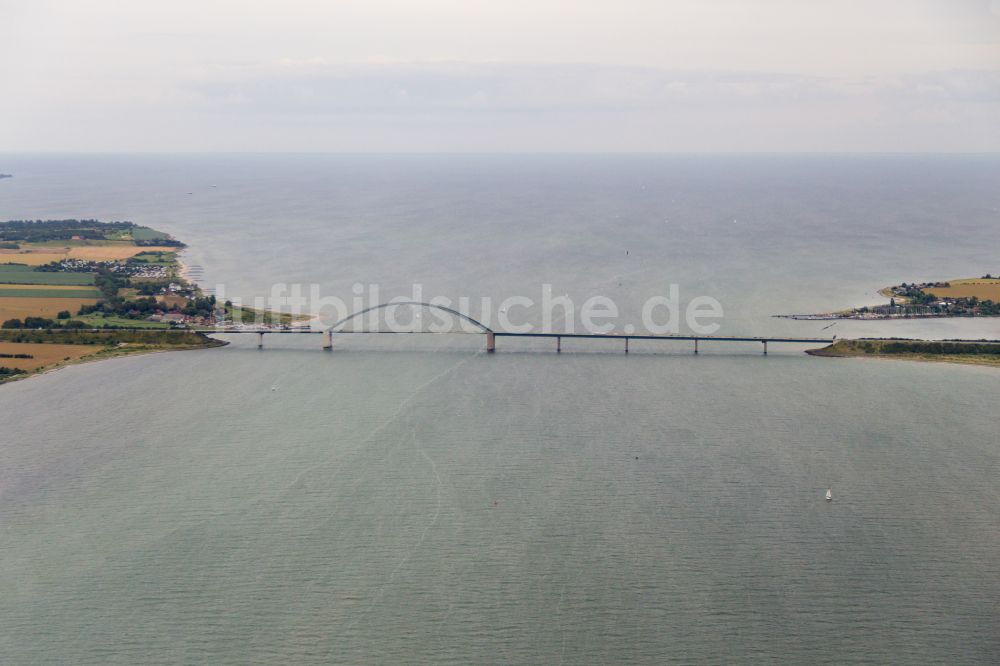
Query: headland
78	290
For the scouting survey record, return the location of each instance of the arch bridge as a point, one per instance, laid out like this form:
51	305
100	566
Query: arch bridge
492	335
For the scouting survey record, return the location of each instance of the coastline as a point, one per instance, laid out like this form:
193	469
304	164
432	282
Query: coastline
183	270
108	354
263	317
181	309
112	336
937	300
950	351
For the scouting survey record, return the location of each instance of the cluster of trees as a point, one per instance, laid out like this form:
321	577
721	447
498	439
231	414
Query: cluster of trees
111	303
51	267
969	306
921	297
138	308
915	293
960	306
141	308
43	322
16	356
7	372
987	307
931	347
110	337
109	283
34	231
202	306
151	288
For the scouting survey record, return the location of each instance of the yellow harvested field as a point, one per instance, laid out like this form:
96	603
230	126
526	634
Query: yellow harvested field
172	300
981	288
29	258
44	354
12	307
44	254
98	253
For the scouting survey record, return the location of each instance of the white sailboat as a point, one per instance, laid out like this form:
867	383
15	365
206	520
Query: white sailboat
829	494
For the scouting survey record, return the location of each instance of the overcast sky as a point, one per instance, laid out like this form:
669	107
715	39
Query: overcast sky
500	75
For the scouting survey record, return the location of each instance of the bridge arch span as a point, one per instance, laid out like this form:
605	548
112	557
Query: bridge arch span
481	326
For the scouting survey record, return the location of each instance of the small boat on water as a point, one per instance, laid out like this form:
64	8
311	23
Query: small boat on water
829	495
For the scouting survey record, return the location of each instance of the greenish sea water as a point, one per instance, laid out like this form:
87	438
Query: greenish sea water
412	499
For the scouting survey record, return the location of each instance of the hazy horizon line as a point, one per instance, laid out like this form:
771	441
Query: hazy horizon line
501	152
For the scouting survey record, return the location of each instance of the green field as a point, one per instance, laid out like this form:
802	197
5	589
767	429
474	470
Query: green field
99	321
251	316
155	258
50	293
147	234
20	274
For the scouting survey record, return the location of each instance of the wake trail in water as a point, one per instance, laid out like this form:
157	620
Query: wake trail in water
400	409
427	528
437	487
251	506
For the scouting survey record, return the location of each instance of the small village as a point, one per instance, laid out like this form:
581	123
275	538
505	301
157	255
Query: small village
132	269
85	274
968	297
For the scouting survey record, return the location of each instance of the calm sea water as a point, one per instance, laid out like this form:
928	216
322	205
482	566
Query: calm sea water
412	499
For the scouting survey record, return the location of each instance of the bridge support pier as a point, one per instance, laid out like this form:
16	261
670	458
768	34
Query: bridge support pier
328	343
696	345
626	345
260	341
765	347
558	345
491	342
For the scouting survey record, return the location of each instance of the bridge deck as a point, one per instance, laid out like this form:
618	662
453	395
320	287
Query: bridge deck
505	334
623	336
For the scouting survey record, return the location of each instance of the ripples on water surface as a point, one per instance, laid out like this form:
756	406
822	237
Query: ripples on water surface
416	500
446	505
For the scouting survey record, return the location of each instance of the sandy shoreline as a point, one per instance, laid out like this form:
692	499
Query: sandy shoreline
183	270
110	355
